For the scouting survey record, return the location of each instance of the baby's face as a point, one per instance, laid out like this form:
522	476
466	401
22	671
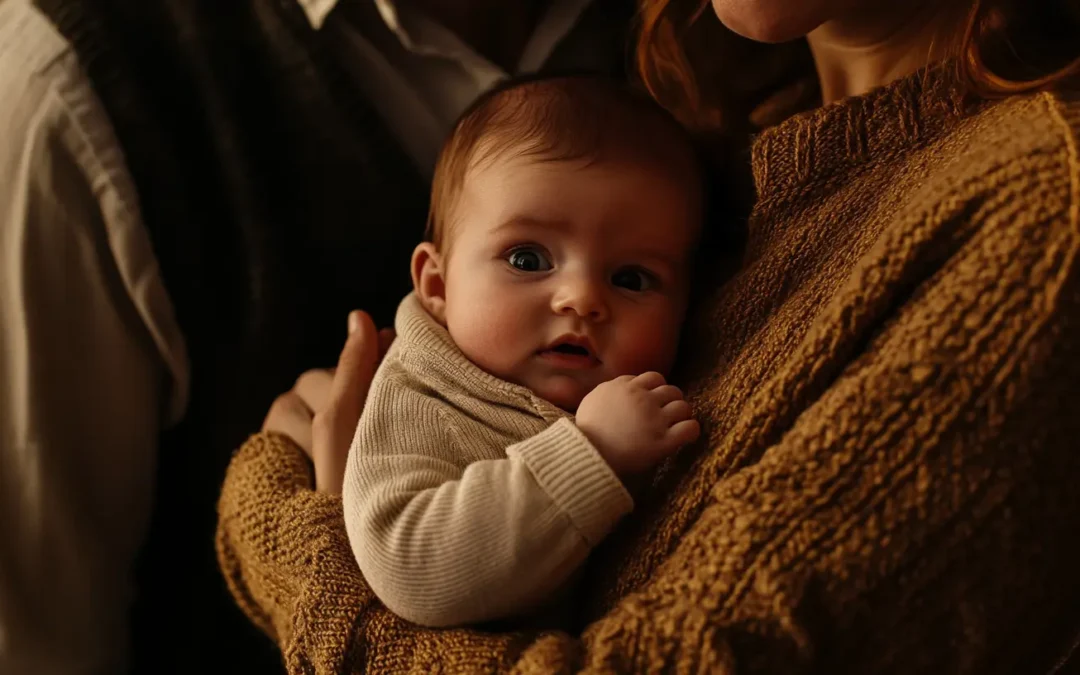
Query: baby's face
563	275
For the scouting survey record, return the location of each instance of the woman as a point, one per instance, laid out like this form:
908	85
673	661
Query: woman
886	479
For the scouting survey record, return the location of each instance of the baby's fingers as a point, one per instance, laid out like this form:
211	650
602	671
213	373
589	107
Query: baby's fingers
676	411
683	433
666	394
649	380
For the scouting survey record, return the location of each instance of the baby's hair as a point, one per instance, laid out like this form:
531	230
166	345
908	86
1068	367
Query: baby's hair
568	117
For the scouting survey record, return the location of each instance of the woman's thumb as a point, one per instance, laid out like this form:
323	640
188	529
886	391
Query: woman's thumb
355	369
356	318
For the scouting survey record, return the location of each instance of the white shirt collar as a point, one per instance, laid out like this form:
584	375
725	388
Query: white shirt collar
433	40
316	10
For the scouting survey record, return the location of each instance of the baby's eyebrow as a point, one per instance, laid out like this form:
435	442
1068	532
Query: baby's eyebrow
661	263
651	255
534	222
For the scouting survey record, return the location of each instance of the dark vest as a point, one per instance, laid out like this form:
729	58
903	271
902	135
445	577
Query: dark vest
276	201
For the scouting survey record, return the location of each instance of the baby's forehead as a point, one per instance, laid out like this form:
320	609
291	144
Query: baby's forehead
617	209
608	181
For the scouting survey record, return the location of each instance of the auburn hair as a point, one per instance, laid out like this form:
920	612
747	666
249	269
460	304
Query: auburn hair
711	79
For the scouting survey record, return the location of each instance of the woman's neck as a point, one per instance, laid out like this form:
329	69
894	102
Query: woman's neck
866	49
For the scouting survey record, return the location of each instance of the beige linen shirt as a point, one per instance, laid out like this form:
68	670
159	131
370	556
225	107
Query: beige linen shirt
92	363
468	498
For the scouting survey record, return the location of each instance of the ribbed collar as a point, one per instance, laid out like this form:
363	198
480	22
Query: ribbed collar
815	145
424	346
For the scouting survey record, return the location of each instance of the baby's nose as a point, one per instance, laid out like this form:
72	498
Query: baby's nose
583	298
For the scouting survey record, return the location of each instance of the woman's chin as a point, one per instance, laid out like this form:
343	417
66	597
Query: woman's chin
770	21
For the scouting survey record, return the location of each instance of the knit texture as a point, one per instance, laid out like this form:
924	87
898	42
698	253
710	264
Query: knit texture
468	498
886	479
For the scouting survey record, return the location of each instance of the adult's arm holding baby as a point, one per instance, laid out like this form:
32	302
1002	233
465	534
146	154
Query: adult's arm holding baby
285	556
281	544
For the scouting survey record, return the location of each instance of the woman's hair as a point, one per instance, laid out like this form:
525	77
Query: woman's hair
712	79
1019	46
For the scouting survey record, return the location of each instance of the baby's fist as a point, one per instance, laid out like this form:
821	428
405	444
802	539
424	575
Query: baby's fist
634	422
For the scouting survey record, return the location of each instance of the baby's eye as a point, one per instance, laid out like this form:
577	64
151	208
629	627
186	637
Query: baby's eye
529	260
634	279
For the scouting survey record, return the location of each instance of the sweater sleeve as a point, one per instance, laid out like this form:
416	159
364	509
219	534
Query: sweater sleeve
283	551
446	541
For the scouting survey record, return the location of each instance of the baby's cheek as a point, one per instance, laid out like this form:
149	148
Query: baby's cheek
648	345
487	333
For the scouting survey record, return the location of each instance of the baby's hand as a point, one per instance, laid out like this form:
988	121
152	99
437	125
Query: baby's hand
635	422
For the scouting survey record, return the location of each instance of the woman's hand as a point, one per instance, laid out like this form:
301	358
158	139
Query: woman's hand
321	411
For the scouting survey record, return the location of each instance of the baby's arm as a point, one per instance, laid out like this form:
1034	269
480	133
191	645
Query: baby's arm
443	540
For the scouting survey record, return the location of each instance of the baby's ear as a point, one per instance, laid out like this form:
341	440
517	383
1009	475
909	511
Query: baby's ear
429	280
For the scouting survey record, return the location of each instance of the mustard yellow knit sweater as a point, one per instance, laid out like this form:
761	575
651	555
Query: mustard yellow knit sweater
889	479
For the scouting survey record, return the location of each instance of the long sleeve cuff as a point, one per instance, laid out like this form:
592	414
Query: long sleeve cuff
572	472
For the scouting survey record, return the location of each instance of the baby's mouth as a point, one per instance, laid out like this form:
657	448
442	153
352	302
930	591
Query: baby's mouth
571	349
571	353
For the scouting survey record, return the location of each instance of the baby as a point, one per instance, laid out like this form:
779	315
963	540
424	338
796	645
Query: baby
565	215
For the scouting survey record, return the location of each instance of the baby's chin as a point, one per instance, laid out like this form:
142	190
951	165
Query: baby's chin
561	391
